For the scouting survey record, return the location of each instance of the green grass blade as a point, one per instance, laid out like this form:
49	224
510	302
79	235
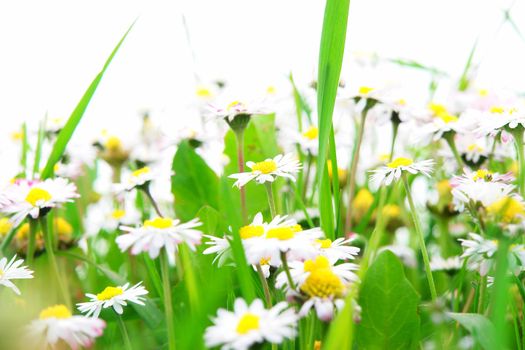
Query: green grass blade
330	61
39	142
67	132
25	149
464	80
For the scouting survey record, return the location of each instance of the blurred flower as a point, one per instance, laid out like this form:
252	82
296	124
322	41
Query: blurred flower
138	178
13	270
232	109
268	170
251	324
452	263
336	250
499	117
385	175
115	297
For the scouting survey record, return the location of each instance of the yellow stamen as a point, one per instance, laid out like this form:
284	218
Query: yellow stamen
483	92
160	223
281	233
437	108
56	311
401	102
36	195
312	133
250	231
363	200
474	148
5	226
444	188
296	228
322	281
365	90
482	174
235	104
248	322
508	207
113	143
497	109
448	118
265	167
401	161
325	243
271	90
62	227
140	171
109	292
118	214
264	261
204	92
391	211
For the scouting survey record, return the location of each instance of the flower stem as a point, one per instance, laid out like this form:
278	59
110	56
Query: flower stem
123	330
264	283
168	306
353	170
419	232
33	228
395	128
518	140
287	271
481	297
48	242
449	137
152	201
240	162
375	238
271	200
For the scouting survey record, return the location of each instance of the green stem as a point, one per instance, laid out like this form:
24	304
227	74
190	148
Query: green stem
264	283
449	137
500	293
287	271
481	297
419	232
395	127
152	201
168	306
240	162
518	140
271	200
48	242
33	228
444	237
375	238
124	331
353	170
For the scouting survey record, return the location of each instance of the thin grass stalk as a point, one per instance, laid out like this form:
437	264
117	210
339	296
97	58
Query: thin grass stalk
500	293
287	271
264	282
422	245
518	141
271	200
449	137
124	331
33	229
168	305
239	135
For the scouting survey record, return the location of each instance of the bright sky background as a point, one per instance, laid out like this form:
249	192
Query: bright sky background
51	50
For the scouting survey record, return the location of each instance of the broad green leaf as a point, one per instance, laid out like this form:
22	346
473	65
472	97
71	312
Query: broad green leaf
330	62
260	142
69	128
389	304
210	219
479	326
194	183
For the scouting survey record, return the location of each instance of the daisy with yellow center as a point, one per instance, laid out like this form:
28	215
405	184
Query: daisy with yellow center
158	233
268	170
508	209
137	179
441	123
385	175
498	118
248	325
35	198
232	108
56	326
114	297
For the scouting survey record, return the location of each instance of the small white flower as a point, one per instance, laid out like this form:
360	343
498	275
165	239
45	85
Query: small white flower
157	234
115	297
251	324
336	250
452	263
56	323
498	117
479	252
13	270
231	109
35	198
385	175
137	178
441	124
268	170
307	140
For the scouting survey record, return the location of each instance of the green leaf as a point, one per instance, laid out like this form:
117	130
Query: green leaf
389	303
39	142
194	183
210	219
69	128
330	62
479	326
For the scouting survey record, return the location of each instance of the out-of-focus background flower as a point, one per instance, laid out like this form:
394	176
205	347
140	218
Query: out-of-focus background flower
52	50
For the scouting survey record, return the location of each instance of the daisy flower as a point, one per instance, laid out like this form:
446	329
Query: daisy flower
441	124
232	109
138	178
115	297
452	263
36	198
307	140
323	284
268	170
157	234
57	324
251	324
13	270
498	118
385	175
336	250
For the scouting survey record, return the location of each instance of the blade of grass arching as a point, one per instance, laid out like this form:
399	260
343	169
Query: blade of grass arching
330	61
464	80
67	131
39	142
416	65
25	149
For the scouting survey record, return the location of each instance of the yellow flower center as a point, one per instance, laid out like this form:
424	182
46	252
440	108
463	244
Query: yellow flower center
437	108
264	261
311	133
322	281
497	109
56	311
363	200
248	322
325	243
118	214
483	92
36	195
401	161
444	188
265	167
474	148
109	292
391	211
202	91
271	90
482	174
5	226
250	231
402	102
159	223
62	227
448	118
508	207
365	90
140	172
235	104
281	233
113	143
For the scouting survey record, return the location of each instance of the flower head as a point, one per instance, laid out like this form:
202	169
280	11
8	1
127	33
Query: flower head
140	177
13	270
385	175
268	170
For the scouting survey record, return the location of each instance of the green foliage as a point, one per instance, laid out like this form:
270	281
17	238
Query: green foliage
390	317
479	326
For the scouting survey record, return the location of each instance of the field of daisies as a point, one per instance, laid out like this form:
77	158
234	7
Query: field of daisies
326	215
